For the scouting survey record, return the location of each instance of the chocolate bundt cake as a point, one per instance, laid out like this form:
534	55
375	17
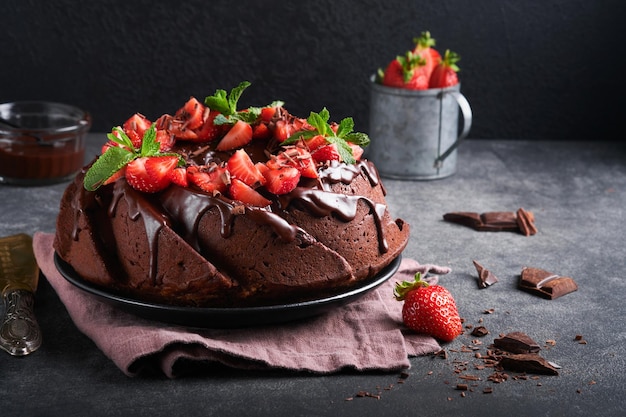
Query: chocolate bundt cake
215	207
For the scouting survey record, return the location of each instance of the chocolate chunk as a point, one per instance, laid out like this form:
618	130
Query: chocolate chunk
480	331
521	221
528	362
485	277
546	284
526	222
517	342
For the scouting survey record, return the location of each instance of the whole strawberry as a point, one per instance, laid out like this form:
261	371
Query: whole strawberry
445	73
406	71
429	309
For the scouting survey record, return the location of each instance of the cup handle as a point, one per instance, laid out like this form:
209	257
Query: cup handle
466	110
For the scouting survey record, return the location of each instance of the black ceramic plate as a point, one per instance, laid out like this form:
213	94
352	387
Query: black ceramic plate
227	317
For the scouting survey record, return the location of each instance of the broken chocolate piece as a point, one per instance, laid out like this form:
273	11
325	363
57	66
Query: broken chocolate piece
522	221
526	222
485	277
468	219
517	342
546	284
528	362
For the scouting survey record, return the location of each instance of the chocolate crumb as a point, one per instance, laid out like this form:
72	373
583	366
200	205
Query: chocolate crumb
487	390
480	331
441	354
462	387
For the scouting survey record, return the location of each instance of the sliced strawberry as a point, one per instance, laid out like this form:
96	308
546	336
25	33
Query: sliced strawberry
262	168
241	167
267	113
107	145
210	131
326	153
357	151
282	130
316	142
238	136
178	176
282	181
135	127
241	191
212	180
261	131
166	140
191	113
150	174
296	157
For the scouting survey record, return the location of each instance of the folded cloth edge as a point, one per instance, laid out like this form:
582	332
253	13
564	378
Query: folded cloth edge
378	336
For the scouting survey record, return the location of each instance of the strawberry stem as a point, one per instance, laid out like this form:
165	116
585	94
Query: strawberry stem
402	289
424	41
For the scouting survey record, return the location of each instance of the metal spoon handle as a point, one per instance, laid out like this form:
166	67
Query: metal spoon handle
19	330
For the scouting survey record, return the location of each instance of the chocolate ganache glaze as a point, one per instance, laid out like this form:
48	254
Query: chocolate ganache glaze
185	246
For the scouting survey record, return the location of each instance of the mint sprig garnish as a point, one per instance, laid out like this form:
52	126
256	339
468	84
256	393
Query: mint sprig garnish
117	157
226	104
344	134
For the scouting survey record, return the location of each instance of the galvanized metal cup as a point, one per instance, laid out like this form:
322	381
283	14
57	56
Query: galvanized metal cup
415	133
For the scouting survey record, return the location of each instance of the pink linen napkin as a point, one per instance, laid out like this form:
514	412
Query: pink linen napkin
366	334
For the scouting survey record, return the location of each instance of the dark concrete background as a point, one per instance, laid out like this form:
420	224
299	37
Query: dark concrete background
531	70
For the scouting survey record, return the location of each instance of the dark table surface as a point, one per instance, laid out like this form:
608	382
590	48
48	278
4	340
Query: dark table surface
577	192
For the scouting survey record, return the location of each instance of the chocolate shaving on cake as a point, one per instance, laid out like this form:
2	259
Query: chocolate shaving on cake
517	342
522	221
546	284
485	277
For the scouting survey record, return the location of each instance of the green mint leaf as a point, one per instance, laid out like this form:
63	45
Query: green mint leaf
345	151
234	95
220	119
111	161
320	122
121	138
150	146
358	138
345	127
218	102
226	103
249	116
